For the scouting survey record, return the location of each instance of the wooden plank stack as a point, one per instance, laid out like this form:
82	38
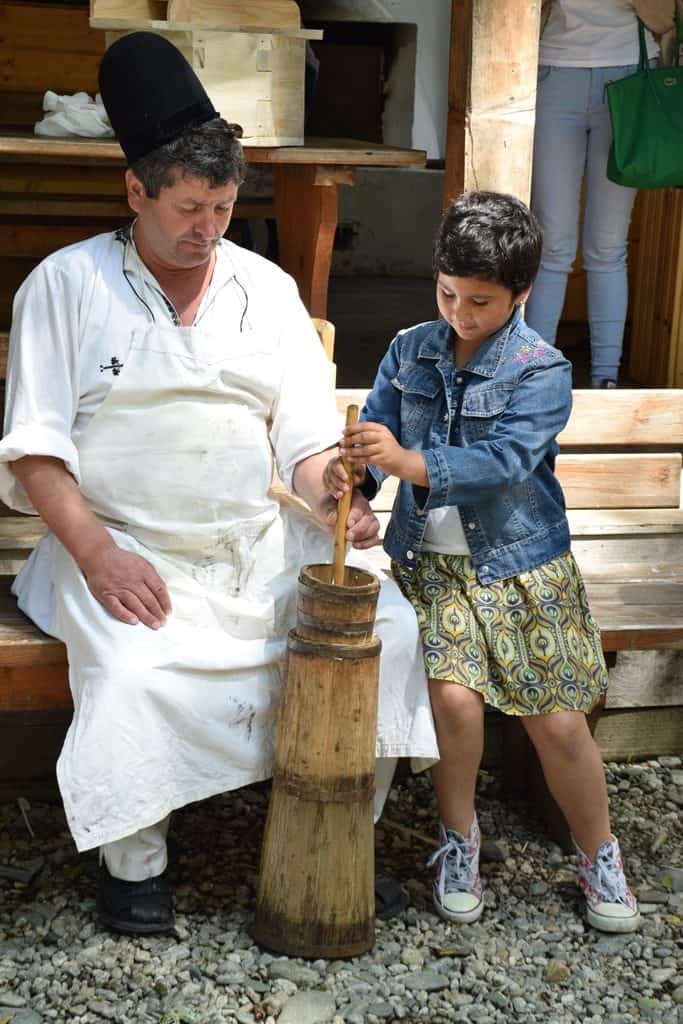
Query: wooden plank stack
250	56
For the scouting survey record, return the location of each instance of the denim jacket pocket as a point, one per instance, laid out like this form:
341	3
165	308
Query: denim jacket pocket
481	409
419	391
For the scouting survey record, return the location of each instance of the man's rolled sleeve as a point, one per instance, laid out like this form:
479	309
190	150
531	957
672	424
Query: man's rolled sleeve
305	417
42	379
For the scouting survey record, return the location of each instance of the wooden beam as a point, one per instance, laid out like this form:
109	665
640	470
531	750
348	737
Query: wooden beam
491	96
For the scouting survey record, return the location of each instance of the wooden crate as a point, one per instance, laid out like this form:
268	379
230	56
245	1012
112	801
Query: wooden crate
250	57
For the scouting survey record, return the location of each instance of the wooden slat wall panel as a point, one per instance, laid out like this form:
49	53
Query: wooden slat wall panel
48	48
657	290
61	179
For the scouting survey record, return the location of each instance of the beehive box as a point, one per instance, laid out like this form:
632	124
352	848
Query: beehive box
249	56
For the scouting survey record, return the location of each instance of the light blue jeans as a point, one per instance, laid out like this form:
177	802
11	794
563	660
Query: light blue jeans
572	139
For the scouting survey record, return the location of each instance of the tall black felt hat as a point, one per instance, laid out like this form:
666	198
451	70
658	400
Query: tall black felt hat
150	93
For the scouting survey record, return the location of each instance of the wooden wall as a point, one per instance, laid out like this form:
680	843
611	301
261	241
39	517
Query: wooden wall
44	46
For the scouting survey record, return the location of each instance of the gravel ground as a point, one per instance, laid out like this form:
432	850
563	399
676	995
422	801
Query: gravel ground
531	958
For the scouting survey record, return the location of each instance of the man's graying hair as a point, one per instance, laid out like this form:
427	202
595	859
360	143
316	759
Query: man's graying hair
212	151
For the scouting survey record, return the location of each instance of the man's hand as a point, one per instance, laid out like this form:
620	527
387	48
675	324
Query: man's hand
362	527
128	586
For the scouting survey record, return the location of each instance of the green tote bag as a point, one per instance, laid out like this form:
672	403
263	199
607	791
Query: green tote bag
646	111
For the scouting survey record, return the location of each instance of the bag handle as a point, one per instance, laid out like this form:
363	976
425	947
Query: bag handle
643	63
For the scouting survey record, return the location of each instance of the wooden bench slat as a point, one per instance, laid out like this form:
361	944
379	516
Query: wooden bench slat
636	416
665	594
646	416
624	521
646	480
20	533
636	572
601	481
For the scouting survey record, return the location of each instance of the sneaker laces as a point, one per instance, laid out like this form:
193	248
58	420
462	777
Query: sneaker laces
457	871
609	875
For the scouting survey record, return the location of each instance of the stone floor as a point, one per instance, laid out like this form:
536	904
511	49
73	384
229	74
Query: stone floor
530	960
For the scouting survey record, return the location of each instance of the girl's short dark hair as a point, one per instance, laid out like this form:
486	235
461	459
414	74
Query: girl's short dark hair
490	235
212	151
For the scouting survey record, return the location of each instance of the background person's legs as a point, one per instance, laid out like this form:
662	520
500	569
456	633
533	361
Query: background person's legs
605	236
559	158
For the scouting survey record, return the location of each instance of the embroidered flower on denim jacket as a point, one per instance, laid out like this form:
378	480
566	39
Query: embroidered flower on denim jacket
527	352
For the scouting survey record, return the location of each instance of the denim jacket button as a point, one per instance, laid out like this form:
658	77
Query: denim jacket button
471	526
409	554
458	380
484	568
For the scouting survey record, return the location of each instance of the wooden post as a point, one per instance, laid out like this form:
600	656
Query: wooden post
657	290
492	96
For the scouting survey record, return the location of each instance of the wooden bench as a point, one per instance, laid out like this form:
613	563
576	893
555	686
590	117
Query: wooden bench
620	466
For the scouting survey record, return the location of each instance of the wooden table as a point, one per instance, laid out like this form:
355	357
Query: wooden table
71	184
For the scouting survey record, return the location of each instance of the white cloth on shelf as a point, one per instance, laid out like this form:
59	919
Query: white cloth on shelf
74	115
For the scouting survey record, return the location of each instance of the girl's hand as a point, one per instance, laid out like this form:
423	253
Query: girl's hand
335	477
372	443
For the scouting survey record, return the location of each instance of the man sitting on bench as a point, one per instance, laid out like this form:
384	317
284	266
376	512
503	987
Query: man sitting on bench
155	375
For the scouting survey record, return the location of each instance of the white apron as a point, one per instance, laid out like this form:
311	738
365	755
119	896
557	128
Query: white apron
177	462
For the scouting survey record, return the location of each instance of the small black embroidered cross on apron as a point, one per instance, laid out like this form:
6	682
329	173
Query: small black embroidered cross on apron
115	366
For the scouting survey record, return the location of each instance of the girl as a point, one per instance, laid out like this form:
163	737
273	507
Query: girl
465	412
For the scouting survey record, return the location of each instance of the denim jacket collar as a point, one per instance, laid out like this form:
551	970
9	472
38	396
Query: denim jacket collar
485	361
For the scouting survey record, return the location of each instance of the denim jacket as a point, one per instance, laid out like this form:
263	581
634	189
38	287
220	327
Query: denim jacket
487	434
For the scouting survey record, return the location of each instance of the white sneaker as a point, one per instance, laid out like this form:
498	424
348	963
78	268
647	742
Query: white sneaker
457	885
610	904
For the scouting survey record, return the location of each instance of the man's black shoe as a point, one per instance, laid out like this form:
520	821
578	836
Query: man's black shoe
391	899
138	908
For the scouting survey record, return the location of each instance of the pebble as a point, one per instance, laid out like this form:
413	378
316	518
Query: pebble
308	1008
611	945
11	999
672	879
557	971
293	972
105	1010
426	981
412	957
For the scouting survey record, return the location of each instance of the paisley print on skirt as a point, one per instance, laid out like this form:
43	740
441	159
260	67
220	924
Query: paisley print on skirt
529	644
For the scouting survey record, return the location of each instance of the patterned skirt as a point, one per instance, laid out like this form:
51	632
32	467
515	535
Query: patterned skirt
529	644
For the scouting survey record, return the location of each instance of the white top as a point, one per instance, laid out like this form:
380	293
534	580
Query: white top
444	533
586	34
80	307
